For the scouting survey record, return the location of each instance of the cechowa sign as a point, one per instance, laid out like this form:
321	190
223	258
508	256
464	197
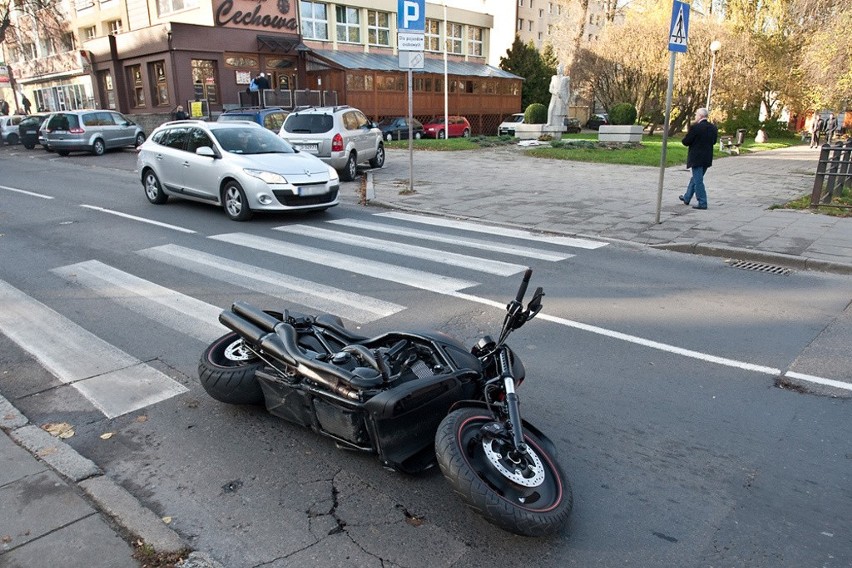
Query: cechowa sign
261	15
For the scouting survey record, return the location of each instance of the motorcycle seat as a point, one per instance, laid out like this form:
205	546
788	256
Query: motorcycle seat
335	324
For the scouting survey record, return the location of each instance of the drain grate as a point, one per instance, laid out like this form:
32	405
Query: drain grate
760	267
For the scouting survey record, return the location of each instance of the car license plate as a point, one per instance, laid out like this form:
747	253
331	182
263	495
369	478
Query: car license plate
307	190
307	147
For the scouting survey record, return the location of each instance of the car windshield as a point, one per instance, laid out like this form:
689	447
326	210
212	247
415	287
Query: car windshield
387	122
251	140
515	118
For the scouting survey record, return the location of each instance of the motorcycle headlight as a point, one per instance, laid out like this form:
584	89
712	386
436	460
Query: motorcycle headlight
268	177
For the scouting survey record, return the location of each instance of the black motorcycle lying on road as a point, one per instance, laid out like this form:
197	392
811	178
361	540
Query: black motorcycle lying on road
407	396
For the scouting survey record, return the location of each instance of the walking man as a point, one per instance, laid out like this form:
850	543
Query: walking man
700	139
816	129
830	128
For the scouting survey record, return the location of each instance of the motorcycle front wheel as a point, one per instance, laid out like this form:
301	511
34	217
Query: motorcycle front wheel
533	502
226	371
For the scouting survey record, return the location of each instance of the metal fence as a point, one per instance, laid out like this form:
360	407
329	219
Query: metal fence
833	175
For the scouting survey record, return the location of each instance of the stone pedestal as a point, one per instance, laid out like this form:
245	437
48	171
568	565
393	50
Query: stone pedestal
620	133
535	131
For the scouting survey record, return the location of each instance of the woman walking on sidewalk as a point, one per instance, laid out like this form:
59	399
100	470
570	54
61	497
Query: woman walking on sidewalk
700	138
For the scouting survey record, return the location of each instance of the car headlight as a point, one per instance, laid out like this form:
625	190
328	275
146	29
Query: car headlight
332	175
268	177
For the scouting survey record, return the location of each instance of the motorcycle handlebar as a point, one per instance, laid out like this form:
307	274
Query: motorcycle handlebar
524	283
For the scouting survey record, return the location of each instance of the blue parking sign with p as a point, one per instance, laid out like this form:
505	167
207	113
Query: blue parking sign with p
411	15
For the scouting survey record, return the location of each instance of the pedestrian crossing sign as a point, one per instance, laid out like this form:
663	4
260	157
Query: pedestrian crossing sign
679	29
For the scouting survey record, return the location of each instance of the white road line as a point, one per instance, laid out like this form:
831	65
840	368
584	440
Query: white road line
25	192
509	249
762	369
503	232
115	382
140	219
433	255
374	269
175	310
348	305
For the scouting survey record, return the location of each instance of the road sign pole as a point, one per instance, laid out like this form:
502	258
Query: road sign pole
666	124
410	131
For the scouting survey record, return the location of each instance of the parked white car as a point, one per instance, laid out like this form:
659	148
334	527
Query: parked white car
240	166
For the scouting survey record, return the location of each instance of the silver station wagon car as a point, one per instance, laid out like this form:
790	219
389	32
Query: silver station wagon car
92	131
240	166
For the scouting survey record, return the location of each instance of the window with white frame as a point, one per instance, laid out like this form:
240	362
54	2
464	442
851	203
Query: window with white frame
28	51
432	37
474	41
378	27
454	38
348	24
89	33
314	20
170	6
520	24
114	27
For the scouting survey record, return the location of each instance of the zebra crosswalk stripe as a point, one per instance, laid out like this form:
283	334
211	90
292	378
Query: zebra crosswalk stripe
348	305
114	382
449	258
175	310
501	231
504	248
409	276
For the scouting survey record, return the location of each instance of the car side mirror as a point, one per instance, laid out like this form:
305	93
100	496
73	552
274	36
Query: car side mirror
207	151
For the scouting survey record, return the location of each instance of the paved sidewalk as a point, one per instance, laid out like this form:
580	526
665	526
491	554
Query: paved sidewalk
502	185
58	509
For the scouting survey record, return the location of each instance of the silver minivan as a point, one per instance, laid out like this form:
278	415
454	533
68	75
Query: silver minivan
92	131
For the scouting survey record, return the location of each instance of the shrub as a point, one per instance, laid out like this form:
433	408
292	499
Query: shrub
536	113
622	113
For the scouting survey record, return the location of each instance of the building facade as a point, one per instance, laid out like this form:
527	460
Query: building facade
144	57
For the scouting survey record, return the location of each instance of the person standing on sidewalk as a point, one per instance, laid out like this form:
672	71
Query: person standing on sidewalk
700	139
830	128
816	129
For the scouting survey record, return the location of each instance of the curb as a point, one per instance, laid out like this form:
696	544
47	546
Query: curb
106	495
786	260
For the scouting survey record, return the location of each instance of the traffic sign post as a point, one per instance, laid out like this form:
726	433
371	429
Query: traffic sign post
411	18
678	34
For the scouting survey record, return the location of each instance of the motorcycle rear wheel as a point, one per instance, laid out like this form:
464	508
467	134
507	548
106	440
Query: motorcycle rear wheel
473	467
226	371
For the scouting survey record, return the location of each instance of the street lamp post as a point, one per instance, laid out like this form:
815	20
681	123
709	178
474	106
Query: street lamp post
714	47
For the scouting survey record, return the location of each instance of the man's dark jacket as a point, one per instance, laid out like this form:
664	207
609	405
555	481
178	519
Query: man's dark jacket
701	137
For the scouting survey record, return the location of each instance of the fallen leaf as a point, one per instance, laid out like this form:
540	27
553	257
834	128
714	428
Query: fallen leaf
107	435
47	451
66	434
142	418
167	520
58	429
5	539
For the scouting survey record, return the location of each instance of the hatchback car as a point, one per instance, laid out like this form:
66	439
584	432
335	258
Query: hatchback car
396	128
597	120
458	125
270	118
239	166
507	127
92	131
340	136
28	129
9	129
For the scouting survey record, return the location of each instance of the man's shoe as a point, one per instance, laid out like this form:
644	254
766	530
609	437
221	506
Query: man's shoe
685	202
699	207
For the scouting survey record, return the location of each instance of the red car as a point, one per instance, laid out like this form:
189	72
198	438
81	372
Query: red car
434	127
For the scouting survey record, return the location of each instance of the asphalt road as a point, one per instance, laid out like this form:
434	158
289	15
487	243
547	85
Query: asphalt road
651	371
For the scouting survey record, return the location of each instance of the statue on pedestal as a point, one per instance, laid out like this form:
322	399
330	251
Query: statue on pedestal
560	91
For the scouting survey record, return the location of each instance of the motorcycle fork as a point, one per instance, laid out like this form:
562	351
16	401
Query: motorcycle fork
513	406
